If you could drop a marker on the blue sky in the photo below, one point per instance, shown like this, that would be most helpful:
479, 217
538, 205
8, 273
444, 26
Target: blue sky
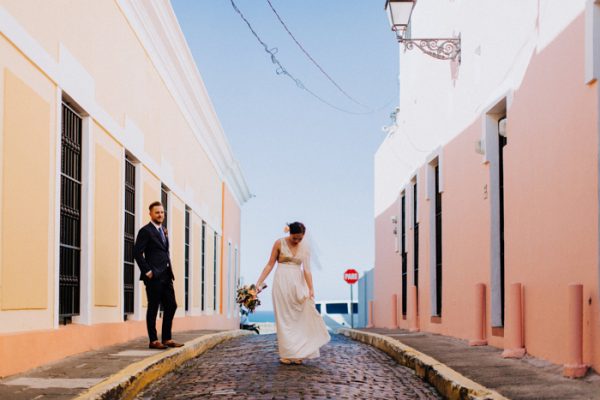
302, 159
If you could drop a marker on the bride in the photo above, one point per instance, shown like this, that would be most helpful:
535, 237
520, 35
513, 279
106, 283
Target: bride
300, 329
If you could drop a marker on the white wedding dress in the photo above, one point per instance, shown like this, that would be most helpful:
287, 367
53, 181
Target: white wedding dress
300, 329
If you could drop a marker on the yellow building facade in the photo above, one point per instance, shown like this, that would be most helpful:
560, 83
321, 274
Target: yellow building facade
103, 111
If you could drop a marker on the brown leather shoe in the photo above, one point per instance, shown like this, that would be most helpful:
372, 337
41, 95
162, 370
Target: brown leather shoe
172, 343
157, 345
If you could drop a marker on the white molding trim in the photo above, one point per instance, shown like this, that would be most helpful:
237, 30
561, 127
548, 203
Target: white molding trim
592, 41
157, 28
14, 32
236, 283
87, 223
57, 187
409, 205
396, 224
433, 161
490, 134
415, 181
402, 222
138, 313
598, 193
122, 241
228, 294
493, 113
434, 158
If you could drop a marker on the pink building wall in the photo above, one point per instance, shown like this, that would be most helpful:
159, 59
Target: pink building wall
552, 196
388, 273
551, 213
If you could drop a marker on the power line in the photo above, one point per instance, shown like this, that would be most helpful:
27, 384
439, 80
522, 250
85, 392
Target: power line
281, 70
312, 59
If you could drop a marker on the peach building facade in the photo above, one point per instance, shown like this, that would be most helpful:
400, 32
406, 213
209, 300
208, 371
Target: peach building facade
103, 111
486, 187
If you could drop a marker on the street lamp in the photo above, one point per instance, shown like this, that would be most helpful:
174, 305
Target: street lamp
399, 14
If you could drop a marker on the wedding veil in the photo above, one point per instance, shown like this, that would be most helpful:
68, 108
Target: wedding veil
312, 248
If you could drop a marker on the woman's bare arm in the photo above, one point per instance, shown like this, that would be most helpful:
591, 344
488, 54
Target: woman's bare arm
269, 267
308, 274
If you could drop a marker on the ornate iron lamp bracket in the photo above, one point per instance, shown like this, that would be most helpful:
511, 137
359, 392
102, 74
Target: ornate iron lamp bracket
442, 49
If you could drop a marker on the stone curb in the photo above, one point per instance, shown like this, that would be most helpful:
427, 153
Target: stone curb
447, 381
131, 380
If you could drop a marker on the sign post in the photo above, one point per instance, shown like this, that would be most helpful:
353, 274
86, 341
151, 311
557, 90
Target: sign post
351, 277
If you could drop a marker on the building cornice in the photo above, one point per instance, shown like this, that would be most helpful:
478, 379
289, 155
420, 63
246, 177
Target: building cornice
158, 30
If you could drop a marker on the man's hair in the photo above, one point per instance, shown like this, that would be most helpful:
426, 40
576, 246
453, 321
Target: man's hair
154, 204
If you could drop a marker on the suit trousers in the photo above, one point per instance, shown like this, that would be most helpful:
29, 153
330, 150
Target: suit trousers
159, 290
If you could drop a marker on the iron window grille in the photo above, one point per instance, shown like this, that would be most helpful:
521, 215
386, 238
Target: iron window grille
502, 141
215, 273
187, 259
404, 257
415, 237
164, 199
70, 215
203, 267
129, 239
438, 242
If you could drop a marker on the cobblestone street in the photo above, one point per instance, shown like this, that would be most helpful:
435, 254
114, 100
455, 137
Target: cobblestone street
248, 368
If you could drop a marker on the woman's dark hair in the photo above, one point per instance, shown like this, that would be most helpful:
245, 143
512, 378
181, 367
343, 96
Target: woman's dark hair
297, 227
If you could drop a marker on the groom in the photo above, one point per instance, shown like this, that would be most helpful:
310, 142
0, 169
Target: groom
151, 251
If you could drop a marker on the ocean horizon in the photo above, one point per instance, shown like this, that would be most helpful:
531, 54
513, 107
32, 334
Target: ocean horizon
262, 316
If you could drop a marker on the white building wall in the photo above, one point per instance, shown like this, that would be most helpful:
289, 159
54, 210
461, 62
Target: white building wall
439, 99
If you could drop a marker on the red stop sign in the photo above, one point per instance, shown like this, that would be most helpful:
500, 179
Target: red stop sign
351, 276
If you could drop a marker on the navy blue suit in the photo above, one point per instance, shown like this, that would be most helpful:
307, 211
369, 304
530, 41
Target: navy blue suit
152, 254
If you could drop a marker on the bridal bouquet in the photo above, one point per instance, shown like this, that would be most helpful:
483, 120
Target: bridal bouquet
247, 297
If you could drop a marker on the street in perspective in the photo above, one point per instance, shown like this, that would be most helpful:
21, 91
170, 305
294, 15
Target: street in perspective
272, 199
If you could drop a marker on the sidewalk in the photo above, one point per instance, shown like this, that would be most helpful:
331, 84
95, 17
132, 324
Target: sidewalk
527, 378
73, 375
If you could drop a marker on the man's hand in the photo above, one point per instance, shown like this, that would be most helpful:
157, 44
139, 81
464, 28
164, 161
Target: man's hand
149, 274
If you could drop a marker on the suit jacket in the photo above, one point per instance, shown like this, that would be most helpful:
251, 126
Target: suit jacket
151, 253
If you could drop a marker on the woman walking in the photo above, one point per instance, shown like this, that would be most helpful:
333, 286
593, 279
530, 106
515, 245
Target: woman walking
300, 329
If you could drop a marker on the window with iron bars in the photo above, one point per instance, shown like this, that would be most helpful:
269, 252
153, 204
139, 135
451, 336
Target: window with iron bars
164, 199
215, 273
70, 214
415, 238
187, 259
502, 141
404, 255
438, 242
203, 268
129, 238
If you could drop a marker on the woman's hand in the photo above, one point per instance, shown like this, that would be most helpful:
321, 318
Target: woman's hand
311, 293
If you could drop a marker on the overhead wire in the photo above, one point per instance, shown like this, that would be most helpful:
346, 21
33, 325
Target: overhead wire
311, 58
281, 70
